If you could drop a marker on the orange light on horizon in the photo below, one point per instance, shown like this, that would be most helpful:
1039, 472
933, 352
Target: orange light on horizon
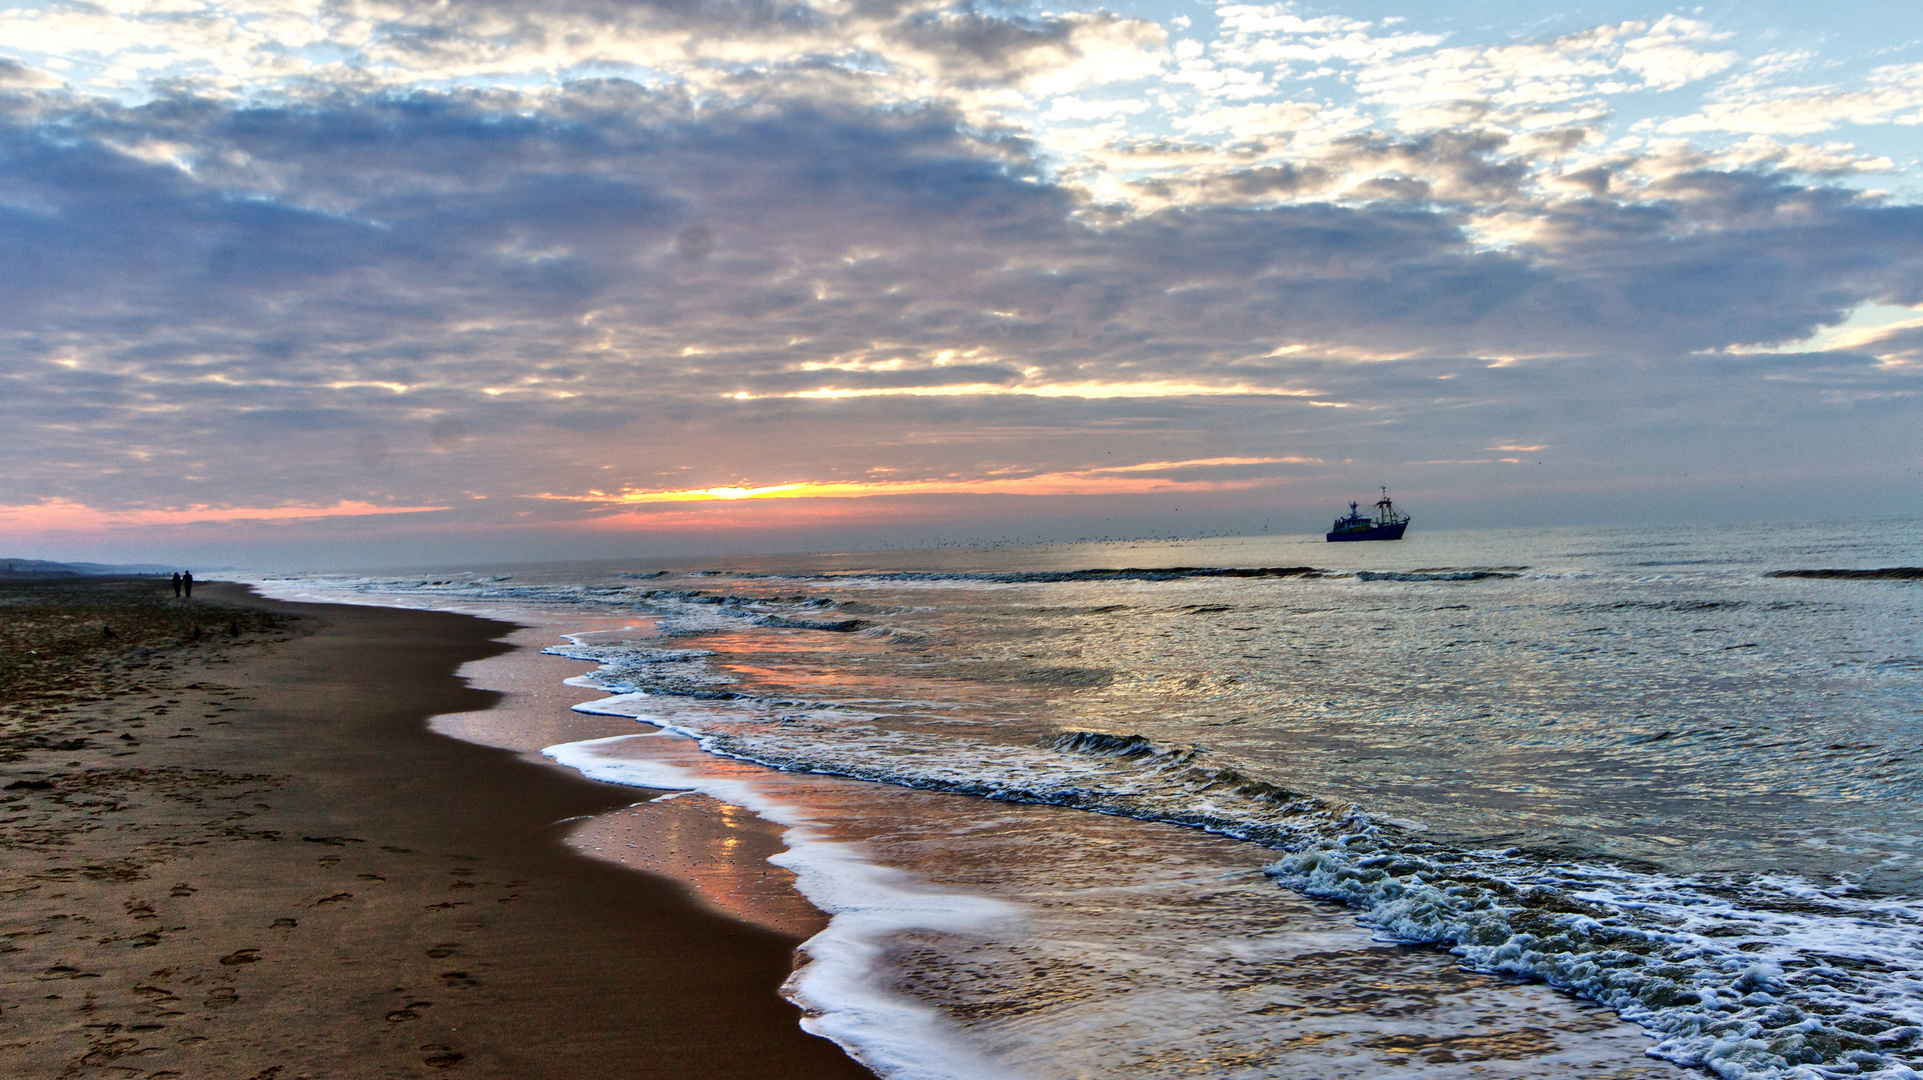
1102, 480
65, 515
1087, 390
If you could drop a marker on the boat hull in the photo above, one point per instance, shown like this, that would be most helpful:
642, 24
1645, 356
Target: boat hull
1377, 532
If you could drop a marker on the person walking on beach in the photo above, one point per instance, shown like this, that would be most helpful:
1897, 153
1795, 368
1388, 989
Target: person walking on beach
187, 584
176, 584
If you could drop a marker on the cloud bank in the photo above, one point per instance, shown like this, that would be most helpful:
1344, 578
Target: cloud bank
535, 269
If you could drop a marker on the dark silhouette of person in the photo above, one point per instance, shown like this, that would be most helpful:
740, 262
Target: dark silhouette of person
187, 584
176, 583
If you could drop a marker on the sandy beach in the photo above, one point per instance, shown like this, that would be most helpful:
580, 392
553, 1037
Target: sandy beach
233, 848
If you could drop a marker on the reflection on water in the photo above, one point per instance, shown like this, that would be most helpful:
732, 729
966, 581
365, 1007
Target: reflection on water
718, 850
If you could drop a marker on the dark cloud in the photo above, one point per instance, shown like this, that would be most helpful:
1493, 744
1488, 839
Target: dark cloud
988, 48
14, 74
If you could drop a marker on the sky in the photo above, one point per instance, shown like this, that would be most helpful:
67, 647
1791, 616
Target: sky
287, 283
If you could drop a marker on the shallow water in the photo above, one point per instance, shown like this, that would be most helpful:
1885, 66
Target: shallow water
1626, 762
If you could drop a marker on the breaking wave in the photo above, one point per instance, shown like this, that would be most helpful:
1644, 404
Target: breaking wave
1040, 577
1887, 573
1471, 574
1754, 979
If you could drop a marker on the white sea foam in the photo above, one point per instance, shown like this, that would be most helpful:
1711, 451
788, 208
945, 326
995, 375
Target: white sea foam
1769, 978
840, 986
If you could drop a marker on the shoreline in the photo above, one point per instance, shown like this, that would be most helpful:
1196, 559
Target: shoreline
718, 852
305, 880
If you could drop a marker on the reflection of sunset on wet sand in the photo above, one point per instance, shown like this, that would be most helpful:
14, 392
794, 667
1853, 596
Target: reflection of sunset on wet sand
719, 851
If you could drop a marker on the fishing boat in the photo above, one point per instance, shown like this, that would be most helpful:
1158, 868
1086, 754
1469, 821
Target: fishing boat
1385, 525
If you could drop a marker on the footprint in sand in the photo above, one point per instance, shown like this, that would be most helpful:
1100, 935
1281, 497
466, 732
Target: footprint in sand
182, 889
410, 1011
220, 997
337, 898
239, 957
443, 951
459, 978
441, 1057
284, 924
104, 1052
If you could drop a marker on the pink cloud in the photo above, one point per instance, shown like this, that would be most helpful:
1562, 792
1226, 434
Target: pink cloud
65, 515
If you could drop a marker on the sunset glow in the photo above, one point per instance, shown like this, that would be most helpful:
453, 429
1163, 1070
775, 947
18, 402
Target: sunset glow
1090, 391
61, 515
1113, 479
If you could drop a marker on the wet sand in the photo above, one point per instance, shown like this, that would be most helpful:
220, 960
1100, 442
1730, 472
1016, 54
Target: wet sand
719, 852
233, 848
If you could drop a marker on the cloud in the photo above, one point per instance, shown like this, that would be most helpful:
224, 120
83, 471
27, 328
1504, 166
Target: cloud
15, 75
1106, 480
64, 515
1891, 94
403, 256
1274, 33
1899, 345
901, 48
793, 243
1432, 86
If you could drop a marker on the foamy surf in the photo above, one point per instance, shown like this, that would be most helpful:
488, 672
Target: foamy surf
1759, 979
1752, 979
840, 986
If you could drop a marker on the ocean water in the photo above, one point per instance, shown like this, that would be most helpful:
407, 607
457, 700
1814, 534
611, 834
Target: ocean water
1277, 807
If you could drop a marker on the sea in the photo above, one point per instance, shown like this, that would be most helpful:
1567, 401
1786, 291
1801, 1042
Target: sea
1588, 802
